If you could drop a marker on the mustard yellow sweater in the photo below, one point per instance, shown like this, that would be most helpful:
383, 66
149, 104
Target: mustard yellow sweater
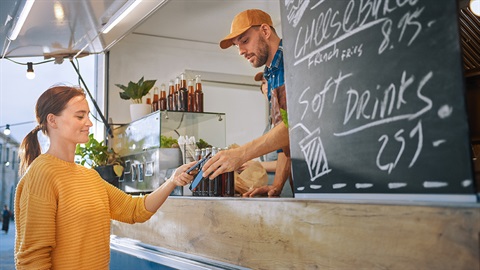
62, 216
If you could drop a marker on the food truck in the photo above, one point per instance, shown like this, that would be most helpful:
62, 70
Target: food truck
383, 116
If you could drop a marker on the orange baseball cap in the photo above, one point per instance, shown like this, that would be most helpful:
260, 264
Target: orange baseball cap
242, 22
259, 76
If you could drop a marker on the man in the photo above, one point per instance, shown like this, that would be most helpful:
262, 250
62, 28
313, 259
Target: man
253, 33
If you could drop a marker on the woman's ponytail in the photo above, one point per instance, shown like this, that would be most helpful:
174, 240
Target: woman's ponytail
29, 149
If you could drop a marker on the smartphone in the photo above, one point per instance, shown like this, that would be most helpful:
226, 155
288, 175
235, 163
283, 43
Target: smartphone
199, 163
197, 180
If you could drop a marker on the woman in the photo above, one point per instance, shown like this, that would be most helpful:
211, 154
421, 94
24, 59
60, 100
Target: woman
63, 210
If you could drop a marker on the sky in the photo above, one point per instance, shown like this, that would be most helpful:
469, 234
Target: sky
18, 95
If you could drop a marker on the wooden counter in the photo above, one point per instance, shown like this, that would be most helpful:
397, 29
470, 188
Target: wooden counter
312, 234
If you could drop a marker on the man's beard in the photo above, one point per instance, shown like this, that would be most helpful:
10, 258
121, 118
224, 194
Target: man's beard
262, 56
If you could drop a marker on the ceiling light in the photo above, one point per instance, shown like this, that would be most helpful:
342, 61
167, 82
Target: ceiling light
475, 7
120, 14
30, 72
21, 19
58, 11
6, 131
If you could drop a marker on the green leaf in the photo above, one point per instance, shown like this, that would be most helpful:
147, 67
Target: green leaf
96, 153
136, 91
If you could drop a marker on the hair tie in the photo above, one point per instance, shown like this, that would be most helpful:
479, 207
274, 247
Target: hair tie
37, 128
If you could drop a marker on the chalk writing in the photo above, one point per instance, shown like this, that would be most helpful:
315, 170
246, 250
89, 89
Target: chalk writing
332, 26
384, 109
296, 10
339, 185
445, 111
434, 184
396, 185
315, 156
437, 143
363, 185
318, 102
401, 147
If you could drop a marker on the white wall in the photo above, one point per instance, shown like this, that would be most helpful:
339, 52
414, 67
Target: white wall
163, 59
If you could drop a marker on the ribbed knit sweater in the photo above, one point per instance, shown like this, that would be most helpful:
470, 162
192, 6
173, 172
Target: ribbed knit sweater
62, 216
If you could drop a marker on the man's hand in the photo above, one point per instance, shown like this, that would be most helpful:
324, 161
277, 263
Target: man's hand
271, 191
223, 161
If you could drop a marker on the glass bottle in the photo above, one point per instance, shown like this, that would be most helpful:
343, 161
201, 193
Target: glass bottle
191, 96
198, 156
229, 183
182, 94
198, 94
210, 183
202, 186
170, 95
162, 102
149, 98
155, 99
175, 94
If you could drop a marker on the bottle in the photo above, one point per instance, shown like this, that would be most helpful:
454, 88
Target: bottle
183, 81
175, 94
211, 183
229, 183
170, 96
155, 99
202, 186
191, 96
162, 102
198, 156
182, 94
198, 94
149, 98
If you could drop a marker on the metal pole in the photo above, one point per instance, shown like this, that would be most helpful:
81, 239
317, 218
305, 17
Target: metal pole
105, 122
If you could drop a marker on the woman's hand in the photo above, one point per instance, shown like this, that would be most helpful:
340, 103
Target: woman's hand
180, 177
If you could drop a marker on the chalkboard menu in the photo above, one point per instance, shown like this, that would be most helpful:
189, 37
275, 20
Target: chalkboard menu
375, 95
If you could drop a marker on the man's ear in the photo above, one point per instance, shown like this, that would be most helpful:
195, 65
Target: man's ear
51, 120
266, 30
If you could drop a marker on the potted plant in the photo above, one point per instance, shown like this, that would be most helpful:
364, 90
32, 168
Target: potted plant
104, 160
136, 91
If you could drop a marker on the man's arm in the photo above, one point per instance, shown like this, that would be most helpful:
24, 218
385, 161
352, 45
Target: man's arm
230, 160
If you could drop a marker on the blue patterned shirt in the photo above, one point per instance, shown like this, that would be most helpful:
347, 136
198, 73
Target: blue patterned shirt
275, 74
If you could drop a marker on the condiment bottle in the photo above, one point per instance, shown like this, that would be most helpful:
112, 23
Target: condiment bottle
155, 99
149, 98
191, 96
198, 156
229, 183
182, 94
162, 102
210, 183
175, 94
171, 91
198, 94
202, 186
